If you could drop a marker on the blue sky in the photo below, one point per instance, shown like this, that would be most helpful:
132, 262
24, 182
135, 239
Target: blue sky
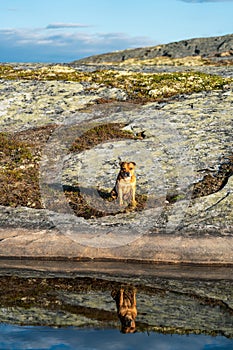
65, 30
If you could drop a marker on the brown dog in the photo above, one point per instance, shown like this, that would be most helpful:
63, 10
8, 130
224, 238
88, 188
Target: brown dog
126, 308
125, 186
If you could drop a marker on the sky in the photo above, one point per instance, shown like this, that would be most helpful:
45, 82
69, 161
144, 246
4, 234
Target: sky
66, 30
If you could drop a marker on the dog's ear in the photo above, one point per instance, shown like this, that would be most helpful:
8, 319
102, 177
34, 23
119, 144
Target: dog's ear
133, 163
121, 163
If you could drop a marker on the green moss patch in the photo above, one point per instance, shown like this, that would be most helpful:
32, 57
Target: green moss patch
143, 86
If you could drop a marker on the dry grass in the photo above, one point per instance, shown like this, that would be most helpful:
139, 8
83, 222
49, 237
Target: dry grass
99, 134
18, 173
19, 167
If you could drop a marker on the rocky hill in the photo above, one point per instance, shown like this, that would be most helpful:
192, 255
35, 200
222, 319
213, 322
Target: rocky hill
220, 46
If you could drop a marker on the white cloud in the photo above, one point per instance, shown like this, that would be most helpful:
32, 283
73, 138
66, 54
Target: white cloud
66, 25
61, 46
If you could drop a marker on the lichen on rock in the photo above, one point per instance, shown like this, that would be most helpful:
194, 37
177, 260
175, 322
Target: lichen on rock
177, 129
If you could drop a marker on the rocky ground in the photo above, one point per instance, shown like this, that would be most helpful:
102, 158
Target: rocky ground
64, 129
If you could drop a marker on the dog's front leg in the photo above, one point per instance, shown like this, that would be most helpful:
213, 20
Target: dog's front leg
120, 195
134, 298
121, 297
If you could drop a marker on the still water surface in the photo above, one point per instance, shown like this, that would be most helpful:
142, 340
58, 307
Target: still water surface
47, 338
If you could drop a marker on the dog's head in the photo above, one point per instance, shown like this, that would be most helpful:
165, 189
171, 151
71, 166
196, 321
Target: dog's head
127, 169
128, 324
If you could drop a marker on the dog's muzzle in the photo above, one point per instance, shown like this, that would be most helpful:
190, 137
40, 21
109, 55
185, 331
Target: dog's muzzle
128, 322
126, 174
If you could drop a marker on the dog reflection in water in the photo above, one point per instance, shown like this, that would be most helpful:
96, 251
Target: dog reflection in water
125, 299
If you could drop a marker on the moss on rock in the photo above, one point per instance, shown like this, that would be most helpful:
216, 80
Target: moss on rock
138, 85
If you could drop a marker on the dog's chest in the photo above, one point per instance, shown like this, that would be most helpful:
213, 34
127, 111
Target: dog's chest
125, 187
127, 303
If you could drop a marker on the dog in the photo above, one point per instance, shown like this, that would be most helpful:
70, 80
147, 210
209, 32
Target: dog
125, 186
126, 308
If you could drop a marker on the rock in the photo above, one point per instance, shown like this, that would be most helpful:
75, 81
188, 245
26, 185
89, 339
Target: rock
168, 159
177, 137
177, 143
23, 217
112, 93
211, 214
32, 104
204, 47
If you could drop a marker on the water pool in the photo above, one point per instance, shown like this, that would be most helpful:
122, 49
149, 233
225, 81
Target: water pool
46, 338
177, 307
